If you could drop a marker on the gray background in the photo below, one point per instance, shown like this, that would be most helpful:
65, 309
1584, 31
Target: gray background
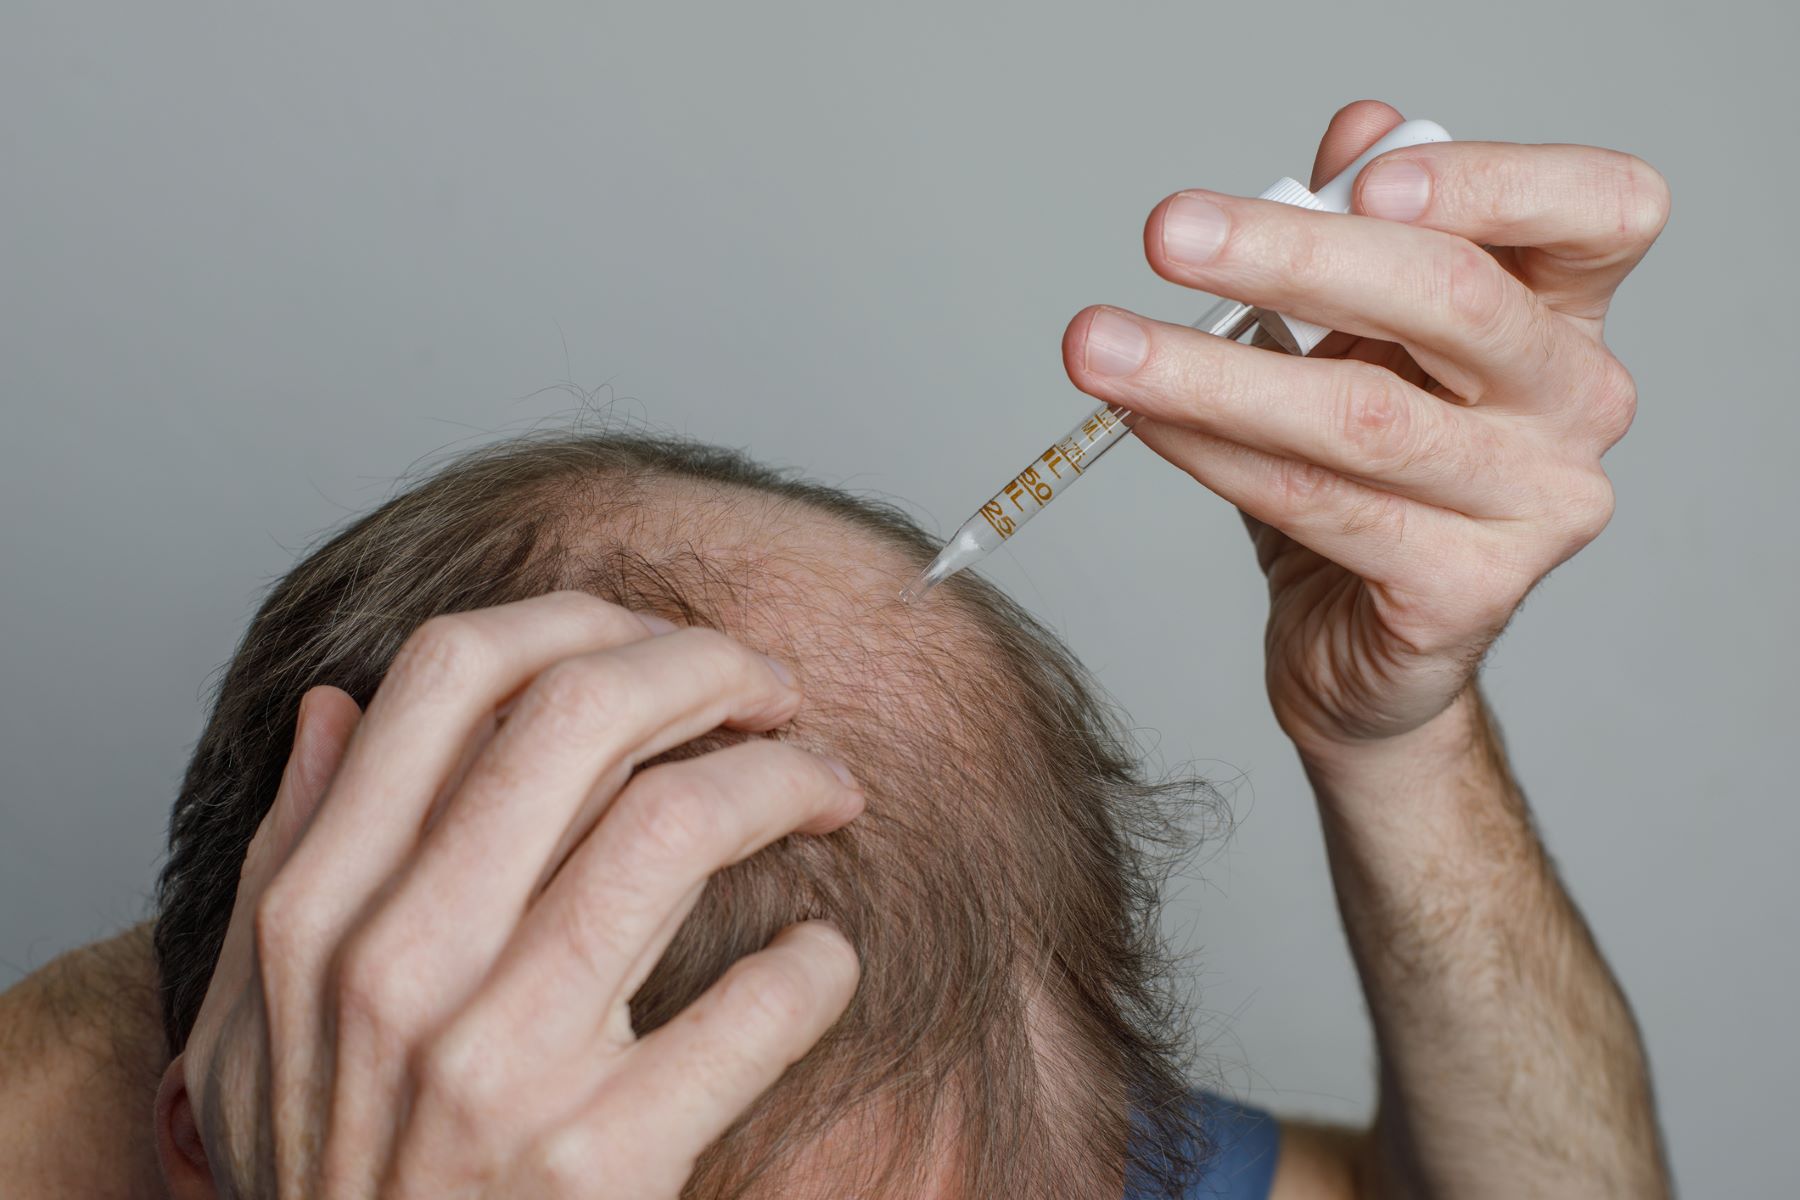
255, 261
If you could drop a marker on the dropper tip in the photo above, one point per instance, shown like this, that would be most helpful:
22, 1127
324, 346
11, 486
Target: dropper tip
930, 577
915, 591
963, 550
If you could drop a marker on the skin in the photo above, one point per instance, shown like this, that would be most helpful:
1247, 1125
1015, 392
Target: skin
81, 1050
390, 985
1404, 491
1404, 487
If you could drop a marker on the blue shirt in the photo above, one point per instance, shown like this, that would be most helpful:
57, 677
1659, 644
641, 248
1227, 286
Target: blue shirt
1244, 1146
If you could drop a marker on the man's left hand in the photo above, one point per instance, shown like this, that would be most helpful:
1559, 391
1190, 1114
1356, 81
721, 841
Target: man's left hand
1411, 482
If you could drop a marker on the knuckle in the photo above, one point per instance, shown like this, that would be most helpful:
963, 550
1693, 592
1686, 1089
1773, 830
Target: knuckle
1590, 507
709, 640
446, 651
279, 924
459, 1078
563, 1163
1614, 401
715, 651
674, 813
371, 987
781, 769
792, 771
725, 664
461, 1087
1375, 420
1301, 487
577, 695
593, 614
593, 930
1473, 289
579, 601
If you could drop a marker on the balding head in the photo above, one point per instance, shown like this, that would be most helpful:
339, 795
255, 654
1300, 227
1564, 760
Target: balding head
1011, 1019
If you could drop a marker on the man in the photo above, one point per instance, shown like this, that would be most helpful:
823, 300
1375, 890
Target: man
444, 972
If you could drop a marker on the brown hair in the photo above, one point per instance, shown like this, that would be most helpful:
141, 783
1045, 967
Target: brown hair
1014, 1026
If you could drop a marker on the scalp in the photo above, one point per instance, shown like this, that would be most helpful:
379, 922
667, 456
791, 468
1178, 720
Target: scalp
972, 887
1013, 1013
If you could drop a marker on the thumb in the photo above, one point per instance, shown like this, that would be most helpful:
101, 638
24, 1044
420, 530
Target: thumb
1353, 129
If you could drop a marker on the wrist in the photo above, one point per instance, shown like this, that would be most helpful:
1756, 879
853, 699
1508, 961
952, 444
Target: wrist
1447, 743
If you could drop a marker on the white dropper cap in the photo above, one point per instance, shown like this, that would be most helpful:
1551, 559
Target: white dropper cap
1297, 336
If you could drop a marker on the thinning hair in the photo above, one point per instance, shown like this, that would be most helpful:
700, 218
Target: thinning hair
1015, 1028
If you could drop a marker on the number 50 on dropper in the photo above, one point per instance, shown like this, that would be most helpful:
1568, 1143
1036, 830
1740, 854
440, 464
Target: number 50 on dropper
1071, 456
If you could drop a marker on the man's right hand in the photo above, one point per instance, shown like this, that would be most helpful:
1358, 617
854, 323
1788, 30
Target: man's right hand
423, 990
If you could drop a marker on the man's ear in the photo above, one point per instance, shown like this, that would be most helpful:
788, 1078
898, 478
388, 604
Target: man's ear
178, 1149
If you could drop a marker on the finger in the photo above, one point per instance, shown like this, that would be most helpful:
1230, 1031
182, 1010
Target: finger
569, 740
327, 718
447, 679
440, 691
1581, 217
322, 729
1355, 418
606, 919
1376, 535
568, 745
1471, 324
684, 1085
1352, 129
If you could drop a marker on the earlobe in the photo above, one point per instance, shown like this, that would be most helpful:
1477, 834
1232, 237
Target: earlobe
179, 1151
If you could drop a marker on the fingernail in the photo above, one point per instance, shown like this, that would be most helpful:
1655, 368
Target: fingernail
1193, 230
657, 625
1116, 344
781, 671
1396, 191
841, 771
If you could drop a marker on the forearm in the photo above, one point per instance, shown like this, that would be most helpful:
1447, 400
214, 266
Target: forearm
1510, 1061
